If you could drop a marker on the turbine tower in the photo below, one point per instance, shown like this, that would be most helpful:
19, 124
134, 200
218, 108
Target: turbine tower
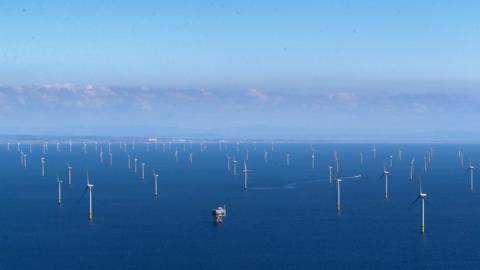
235, 167
338, 180
422, 196
42, 161
385, 175
313, 160
330, 167
471, 169
89, 187
245, 172
59, 181
69, 174
155, 175
412, 163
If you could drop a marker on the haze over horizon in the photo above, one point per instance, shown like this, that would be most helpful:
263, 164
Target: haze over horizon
280, 69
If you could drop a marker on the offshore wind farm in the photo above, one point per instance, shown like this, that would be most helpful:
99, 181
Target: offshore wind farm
109, 215
211, 134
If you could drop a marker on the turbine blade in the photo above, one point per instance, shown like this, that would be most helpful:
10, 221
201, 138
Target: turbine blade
412, 203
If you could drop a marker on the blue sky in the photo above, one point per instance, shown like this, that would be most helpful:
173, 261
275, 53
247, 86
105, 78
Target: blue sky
327, 67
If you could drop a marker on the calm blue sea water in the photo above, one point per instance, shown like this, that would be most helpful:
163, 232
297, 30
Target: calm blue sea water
286, 220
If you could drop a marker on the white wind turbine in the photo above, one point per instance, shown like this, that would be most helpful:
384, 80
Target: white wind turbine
412, 163
471, 169
135, 165
143, 170
25, 160
69, 173
330, 167
422, 196
385, 175
245, 173
89, 188
42, 161
155, 185
59, 181
228, 163
287, 157
235, 167
313, 159
338, 181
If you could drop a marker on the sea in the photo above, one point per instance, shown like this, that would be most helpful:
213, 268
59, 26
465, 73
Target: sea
286, 219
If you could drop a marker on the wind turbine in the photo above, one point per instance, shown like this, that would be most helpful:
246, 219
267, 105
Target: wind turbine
89, 187
143, 170
129, 158
425, 162
330, 167
245, 172
59, 181
460, 157
412, 163
111, 158
374, 152
228, 163
70, 144
25, 160
385, 175
265, 156
135, 165
391, 161
313, 160
422, 196
42, 161
338, 181
235, 167
361, 158
471, 168
69, 174
155, 175
287, 156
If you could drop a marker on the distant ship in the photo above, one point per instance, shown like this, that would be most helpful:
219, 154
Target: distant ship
219, 213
